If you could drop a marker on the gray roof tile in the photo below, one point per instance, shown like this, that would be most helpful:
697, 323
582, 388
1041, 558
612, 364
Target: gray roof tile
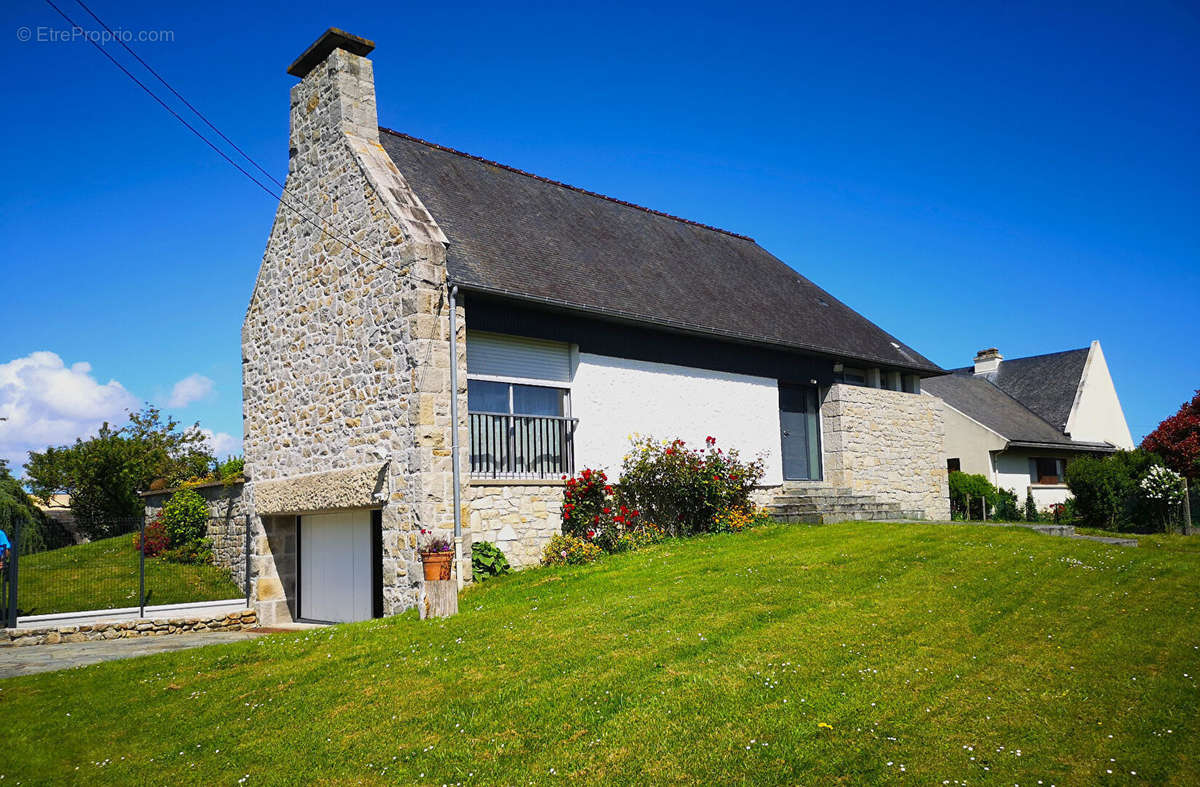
520, 235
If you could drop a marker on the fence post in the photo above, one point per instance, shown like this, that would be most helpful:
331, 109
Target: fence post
14, 551
142, 570
1187, 509
246, 571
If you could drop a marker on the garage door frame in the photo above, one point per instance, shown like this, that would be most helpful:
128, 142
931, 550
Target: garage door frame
376, 562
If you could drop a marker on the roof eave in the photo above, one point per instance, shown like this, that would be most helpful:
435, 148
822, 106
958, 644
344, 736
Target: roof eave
690, 329
1095, 448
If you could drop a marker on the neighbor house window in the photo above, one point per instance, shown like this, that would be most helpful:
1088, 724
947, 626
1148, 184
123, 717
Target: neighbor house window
1046, 470
912, 384
954, 465
519, 406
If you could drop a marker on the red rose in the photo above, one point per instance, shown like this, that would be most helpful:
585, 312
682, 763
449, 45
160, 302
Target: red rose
608, 510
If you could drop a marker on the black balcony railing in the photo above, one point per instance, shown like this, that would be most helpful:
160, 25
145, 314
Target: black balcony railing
522, 446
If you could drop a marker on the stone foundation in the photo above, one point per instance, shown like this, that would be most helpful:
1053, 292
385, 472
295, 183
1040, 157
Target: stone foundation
519, 517
888, 444
127, 629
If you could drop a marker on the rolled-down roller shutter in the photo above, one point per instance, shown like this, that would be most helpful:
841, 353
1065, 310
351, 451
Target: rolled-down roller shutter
500, 355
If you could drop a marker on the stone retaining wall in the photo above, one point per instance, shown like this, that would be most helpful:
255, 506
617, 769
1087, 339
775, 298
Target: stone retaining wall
126, 629
227, 509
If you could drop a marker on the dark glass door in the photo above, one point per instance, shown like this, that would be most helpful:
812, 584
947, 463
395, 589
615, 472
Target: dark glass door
800, 433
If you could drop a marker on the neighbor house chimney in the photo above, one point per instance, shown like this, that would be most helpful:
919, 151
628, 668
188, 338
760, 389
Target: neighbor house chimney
988, 361
336, 92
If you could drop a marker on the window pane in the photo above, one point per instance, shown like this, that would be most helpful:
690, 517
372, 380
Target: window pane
535, 400
487, 397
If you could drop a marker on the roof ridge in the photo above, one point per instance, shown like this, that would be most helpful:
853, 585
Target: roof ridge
551, 181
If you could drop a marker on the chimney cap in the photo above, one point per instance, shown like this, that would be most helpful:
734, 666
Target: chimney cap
331, 39
988, 354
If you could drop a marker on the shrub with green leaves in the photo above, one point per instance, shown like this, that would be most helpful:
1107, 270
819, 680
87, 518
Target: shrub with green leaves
487, 560
1107, 491
1006, 506
196, 552
1031, 512
970, 488
185, 516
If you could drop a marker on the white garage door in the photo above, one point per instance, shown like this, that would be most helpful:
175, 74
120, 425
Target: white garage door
335, 566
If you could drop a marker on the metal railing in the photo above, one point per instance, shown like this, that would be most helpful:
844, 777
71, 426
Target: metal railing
521, 446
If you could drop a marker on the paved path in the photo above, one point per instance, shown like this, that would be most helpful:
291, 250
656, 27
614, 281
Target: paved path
44, 658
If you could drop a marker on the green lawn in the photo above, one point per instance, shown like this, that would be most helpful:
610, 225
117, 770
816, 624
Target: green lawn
934, 653
103, 574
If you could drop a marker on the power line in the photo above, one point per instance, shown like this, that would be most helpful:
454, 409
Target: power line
204, 139
179, 96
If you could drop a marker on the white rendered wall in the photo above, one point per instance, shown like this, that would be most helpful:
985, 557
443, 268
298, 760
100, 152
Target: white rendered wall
1097, 415
1012, 473
614, 397
970, 442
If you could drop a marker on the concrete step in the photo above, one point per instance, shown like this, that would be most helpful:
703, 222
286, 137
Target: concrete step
822, 500
829, 519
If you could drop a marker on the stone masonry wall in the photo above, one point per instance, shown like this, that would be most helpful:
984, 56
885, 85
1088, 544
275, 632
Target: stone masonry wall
226, 525
126, 629
346, 341
886, 443
518, 518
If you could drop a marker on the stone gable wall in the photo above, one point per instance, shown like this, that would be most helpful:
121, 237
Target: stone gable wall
888, 444
345, 343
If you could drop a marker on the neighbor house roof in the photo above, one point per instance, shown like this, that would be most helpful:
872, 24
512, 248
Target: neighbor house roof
519, 235
1046, 384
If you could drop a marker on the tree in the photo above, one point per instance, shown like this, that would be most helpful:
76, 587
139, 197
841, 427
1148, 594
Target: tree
103, 474
1031, 512
1177, 440
17, 509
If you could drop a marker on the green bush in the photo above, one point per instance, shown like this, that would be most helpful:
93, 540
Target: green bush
569, 550
683, 490
487, 560
1006, 506
1108, 494
185, 516
972, 488
231, 469
197, 552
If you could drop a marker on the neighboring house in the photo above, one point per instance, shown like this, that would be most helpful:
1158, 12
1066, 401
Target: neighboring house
577, 320
1018, 422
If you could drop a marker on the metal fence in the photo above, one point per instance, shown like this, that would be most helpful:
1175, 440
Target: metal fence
112, 571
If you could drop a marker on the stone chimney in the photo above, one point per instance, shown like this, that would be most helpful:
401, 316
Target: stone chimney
336, 92
988, 361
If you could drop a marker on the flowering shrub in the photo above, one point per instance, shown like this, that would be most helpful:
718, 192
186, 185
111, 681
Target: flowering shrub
684, 489
591, 511
643, 535
735, 520
569, 550
156, 540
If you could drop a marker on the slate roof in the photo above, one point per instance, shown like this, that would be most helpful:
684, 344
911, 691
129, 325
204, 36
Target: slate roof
523, 236
1010, 400
993, 408
1046, 384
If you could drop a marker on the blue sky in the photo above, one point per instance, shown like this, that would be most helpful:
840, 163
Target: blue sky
1019, 175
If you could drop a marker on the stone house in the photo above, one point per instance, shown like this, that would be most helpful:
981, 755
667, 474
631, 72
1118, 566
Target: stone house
414, 299
1018, 422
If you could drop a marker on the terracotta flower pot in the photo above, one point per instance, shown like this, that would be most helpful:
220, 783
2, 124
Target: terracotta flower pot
436, 565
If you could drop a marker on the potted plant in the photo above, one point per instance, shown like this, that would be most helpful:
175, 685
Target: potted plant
436, 556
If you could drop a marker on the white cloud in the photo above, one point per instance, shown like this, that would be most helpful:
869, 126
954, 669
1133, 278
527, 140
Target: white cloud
47, 402
222, 444
190, 389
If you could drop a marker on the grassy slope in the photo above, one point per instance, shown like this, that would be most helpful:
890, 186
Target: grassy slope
103, 574
709, 660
